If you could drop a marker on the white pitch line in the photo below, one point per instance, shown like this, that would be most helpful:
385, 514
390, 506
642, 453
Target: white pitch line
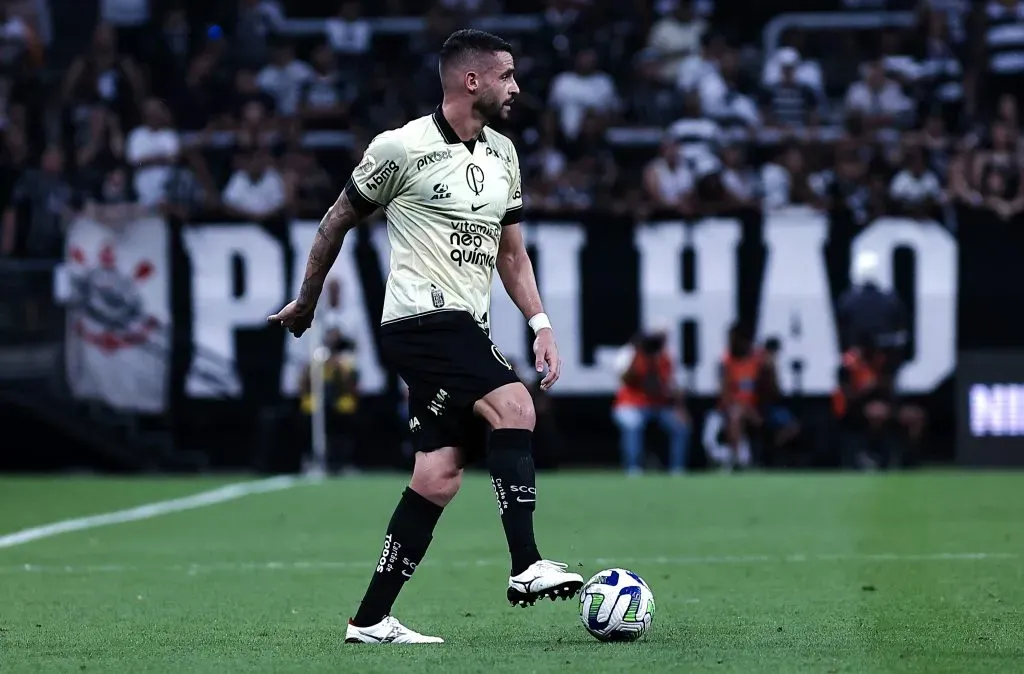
147, 511
712, 560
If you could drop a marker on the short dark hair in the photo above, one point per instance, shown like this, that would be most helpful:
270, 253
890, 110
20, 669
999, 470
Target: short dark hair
469, 41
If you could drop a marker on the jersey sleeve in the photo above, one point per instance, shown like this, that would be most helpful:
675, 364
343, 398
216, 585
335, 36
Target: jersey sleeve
380, 175
514, 206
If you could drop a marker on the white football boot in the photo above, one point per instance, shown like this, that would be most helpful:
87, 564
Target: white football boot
387, 631
543, 579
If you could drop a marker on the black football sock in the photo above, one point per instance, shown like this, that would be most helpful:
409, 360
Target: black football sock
510, 460
409, 533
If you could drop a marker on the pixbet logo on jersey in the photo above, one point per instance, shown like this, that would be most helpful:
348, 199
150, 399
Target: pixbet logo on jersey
433, 158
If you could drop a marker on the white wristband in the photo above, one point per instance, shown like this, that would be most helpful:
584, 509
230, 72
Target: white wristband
539, 322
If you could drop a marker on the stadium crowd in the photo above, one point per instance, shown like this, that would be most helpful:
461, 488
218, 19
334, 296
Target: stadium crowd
259, 108
169, 108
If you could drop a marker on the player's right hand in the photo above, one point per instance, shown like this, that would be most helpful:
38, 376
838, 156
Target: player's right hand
294, 317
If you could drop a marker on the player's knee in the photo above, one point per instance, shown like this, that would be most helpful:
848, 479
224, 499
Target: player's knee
510, 406
437, 476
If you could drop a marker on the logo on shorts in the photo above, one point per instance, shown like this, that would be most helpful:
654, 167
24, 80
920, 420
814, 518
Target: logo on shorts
414, 425
500, 357
436, 296
439, 402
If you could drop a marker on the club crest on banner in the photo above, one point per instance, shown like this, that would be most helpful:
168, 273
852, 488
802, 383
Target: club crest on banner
109, 310
118, 312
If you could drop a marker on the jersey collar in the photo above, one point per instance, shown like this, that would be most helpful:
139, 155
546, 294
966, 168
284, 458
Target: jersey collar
448, 133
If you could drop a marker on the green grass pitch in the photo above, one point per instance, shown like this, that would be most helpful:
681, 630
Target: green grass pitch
751, 573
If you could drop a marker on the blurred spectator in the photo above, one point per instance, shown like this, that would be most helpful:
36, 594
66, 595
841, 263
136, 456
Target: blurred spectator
737, 402
866, 308
152, 150
781, 427
785, 181
702, 63
739, 178
789, 103
996, 171
648, 392
14, 160
255, 24
877, 99
256, 191
190, 189
861, 404
583, 90
698, 136
350, 36
39, 207
19, 45
100, 146
169, 56
674, 37
915, 190
340, 375
668, 181
721, 452
284, 77
209, 82
721, 98
940, 75
348, 33
130, 18
114, 201
806, 71
844, 188
307, 184
325, 97
103, 76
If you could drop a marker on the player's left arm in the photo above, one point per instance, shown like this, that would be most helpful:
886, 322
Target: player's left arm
516, 272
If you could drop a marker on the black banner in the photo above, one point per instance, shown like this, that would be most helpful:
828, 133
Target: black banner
990, 405
602, 280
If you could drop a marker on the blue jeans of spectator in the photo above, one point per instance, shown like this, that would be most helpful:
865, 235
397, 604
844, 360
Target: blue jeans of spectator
632, 420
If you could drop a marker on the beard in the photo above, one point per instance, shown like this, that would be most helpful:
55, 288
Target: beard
491, 106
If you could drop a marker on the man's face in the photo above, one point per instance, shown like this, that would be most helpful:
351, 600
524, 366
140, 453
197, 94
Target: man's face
497, 87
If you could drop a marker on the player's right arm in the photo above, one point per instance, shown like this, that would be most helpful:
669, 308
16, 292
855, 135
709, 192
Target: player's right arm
373, 184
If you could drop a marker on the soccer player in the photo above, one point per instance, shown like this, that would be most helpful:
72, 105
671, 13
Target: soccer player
452, 194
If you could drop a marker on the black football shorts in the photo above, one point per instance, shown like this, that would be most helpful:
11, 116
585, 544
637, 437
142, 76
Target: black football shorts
449, 363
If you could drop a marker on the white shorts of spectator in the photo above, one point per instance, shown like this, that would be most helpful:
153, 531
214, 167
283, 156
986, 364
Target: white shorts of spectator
719, 453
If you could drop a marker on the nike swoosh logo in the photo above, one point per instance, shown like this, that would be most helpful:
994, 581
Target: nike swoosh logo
525, 500
477, 208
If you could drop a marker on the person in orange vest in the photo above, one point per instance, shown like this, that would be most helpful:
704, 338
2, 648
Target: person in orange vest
739, 373
648, 392
863, 404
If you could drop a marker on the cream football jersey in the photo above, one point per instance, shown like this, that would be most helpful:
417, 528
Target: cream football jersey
445, 202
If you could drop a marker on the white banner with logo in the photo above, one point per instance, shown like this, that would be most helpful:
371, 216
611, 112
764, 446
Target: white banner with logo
119, 313
794, 302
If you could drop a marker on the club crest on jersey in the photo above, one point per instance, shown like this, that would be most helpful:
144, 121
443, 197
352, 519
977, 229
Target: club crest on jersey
437, 297
475, 178
366, 166
433, 158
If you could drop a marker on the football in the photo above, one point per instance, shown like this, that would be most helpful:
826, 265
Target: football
617, 605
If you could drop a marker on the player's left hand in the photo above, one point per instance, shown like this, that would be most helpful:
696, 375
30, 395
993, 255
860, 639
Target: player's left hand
546, 353
294, 317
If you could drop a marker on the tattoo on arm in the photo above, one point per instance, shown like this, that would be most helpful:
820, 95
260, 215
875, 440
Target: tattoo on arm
340, 218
